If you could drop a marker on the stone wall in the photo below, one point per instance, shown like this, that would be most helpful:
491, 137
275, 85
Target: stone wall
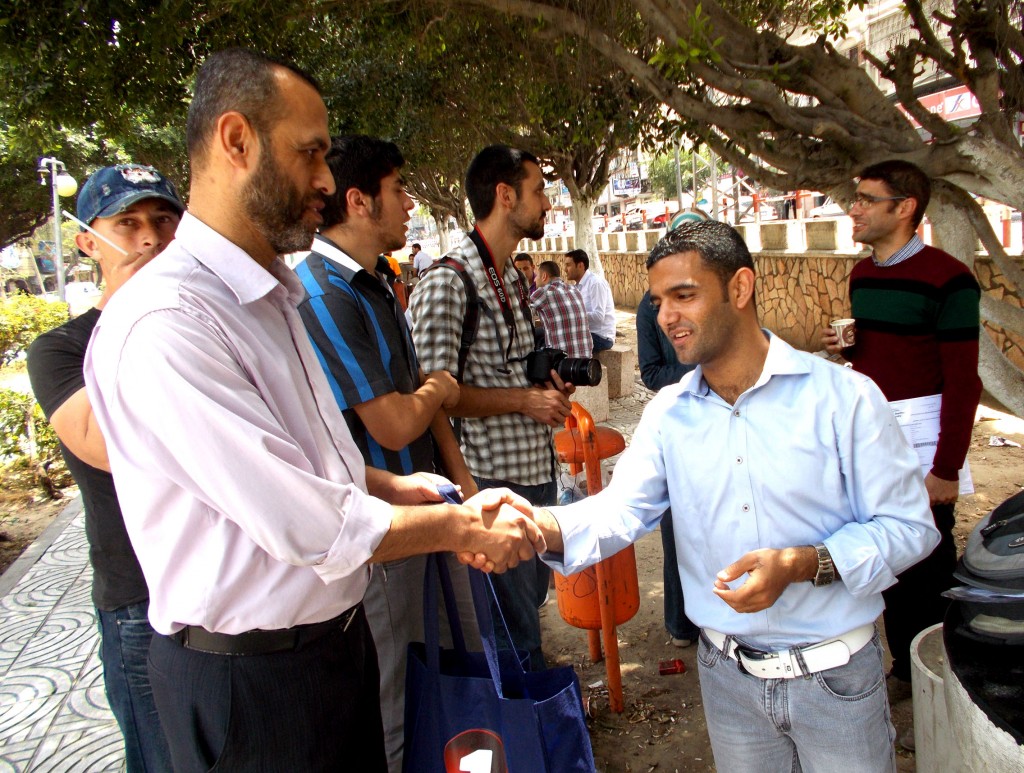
797, 293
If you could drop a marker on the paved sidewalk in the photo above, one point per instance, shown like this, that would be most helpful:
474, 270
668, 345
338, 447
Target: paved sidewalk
53, 710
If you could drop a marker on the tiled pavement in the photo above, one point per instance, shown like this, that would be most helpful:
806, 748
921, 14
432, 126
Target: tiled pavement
53, 711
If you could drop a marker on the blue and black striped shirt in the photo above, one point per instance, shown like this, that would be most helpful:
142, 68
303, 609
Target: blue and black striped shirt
361, 338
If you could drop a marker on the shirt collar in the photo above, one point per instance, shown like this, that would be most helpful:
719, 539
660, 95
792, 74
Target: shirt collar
908, 250
782, 360
328, 249
236, 268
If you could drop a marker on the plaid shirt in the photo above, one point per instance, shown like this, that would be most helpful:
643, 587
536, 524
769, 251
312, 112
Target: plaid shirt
510, 447
561, 309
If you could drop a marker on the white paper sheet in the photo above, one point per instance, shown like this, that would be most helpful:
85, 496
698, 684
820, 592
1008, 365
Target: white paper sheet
918, 417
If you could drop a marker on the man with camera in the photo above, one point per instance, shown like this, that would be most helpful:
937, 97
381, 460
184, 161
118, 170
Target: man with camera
507, 421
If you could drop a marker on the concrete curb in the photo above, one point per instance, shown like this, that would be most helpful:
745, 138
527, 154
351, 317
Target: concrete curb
27, 560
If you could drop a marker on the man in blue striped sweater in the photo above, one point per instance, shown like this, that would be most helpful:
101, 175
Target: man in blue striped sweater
395, 412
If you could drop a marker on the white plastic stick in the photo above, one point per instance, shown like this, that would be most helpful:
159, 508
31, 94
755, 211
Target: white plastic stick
93, 231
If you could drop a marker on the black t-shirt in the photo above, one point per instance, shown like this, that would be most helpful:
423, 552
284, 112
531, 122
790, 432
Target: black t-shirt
55, 362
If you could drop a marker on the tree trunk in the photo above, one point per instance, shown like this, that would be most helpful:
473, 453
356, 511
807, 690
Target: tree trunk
583, 220
954, 233
443, 244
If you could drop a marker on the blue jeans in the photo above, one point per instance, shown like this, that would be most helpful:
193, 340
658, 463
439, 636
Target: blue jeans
521, 590
676, 621
834, 720
601, 343
125, 635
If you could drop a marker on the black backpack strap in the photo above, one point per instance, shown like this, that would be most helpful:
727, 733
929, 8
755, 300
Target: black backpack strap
471, 322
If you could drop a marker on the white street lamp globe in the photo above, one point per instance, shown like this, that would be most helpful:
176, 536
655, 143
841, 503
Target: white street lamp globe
66, 185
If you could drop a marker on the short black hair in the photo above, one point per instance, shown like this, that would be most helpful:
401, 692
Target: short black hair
523, 256
235, 79
550, 268
416, 246
492, 165
720, 246
903, 179
360, 162
579, 256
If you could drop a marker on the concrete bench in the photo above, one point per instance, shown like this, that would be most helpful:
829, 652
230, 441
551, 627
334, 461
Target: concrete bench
619, 370
594, 398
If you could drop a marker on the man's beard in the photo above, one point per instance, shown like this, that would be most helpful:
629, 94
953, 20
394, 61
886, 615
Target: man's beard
527, 230
276, 208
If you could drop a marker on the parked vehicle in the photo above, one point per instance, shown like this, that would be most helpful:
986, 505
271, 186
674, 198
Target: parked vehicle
81, 296
828, 209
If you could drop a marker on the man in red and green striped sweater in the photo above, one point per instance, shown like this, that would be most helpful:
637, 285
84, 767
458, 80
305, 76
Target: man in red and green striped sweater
917, 325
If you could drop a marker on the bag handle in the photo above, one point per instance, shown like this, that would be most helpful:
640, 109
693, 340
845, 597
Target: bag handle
483, 591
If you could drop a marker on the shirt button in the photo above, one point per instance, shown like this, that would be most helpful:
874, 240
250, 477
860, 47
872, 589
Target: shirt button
739, 460
746, 508
736, 413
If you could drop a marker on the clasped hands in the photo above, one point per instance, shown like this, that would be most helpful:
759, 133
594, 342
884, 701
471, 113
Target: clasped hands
499, 531
494, 530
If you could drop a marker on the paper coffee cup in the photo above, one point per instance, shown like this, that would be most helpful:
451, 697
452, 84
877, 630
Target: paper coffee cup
845, 331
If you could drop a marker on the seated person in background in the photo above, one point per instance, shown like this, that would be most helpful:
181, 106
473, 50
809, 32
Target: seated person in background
597, 297
562, 312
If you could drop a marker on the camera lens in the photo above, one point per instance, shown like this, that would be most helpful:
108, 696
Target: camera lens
580, 371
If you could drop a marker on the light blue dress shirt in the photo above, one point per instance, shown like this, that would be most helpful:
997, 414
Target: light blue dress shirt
811, 453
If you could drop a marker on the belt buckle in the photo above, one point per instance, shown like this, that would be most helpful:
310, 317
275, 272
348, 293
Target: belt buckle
758, 655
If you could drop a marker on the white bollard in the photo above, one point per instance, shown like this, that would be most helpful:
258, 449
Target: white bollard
935, 746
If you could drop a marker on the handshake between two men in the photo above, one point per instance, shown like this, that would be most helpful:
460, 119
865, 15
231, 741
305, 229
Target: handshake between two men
492, 531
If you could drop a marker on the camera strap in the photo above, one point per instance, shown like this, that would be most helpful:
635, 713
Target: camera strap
498, 286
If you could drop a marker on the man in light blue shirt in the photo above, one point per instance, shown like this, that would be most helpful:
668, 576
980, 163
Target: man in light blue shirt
795, 501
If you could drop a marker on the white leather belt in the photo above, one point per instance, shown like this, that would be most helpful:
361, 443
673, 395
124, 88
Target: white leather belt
796, 661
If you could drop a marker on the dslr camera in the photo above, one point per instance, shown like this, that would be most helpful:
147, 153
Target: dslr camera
578, 371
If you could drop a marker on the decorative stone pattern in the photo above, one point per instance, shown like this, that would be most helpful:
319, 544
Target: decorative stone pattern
799, 293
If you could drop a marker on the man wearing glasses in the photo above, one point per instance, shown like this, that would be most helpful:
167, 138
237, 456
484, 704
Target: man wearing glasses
917, 320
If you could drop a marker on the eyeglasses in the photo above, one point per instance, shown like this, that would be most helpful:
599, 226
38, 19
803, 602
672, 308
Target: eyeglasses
866, 199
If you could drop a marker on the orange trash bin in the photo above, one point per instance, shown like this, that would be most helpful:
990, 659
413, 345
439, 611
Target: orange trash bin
607, 594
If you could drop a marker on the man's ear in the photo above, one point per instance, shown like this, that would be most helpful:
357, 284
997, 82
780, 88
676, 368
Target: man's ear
357, 202
505, 195
236, 140
741, 288
908, 208
86, 242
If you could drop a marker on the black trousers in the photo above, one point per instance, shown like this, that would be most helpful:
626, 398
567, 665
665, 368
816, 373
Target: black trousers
316, 708
915, 601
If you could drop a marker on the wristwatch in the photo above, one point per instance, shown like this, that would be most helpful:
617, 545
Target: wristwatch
826, 569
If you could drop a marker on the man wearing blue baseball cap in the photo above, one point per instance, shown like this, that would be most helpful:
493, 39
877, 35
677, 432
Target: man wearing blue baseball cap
133, 212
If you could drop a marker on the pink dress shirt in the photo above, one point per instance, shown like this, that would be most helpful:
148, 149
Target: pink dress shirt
242, 490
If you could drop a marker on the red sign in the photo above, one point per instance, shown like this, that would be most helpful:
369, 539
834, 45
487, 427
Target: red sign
950, 105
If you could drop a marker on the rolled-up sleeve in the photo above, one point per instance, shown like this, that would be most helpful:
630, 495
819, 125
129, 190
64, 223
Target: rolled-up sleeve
893, 527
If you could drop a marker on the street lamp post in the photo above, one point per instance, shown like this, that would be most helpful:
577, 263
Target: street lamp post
65, 185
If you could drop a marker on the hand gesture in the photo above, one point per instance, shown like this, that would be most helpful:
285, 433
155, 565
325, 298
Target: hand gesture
769, 573
940, 491
417, 489
564, 387
501, 532
119, 268
448, 386
830, 341
548, 406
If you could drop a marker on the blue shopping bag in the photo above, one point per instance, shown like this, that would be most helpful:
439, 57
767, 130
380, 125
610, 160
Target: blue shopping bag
482, 712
